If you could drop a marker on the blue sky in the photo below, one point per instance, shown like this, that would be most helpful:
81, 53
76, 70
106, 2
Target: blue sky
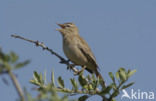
121, 33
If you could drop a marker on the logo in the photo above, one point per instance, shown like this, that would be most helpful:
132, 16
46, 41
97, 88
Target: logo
137, 95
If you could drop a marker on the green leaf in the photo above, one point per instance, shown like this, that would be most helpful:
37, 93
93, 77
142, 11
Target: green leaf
122, 74
35, 82
74, 84
122, 69
117, 75
41, 80
52, 79
7, 66
36, 76
106, 90
61, 82
6, 58
83, 98
131, 73
45, 76
90, 87
21, 64
128, 71
112, 76
14, 57
82, 80
114, 86
93, 78
89, 78
116, 93
128, 85
96, 83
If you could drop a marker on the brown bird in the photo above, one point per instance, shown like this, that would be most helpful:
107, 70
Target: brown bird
77, 50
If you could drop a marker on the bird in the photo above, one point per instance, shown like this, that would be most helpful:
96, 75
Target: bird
77, 50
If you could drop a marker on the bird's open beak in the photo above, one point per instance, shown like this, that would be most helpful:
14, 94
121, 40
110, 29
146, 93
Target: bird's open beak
61, 25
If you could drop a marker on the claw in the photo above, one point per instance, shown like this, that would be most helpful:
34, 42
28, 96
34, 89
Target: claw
81, 71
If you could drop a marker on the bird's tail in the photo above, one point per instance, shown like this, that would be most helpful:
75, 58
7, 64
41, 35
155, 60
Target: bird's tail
100, 78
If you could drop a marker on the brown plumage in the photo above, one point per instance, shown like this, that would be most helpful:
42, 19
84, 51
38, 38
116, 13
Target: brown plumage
76, 48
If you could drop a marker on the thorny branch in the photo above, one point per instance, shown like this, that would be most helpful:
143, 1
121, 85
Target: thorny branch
44, 47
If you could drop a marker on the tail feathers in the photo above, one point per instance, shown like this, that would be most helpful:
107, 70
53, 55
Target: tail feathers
98, 75
89, 70
101, 78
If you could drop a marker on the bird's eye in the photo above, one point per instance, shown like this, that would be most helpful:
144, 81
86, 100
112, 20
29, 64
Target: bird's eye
68, 25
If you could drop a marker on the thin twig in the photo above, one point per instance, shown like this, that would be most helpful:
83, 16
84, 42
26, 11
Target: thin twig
44, 47
17, 85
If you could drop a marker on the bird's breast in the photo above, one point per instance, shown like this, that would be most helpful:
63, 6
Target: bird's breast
72, 52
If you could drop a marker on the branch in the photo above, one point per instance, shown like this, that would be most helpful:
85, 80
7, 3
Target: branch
14, 80
17, 85
6, 67
44, 47
116, 90
81, 92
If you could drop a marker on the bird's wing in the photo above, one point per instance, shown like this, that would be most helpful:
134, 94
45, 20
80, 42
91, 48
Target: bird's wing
86, 51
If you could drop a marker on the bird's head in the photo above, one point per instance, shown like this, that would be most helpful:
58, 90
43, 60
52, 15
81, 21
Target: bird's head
67, 28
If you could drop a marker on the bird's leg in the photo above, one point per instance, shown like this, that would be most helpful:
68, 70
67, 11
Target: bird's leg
64, 61
68, 60
70, 66
79, 72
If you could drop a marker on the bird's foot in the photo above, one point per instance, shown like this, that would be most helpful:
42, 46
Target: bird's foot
81, 71
64, 61
70, 66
